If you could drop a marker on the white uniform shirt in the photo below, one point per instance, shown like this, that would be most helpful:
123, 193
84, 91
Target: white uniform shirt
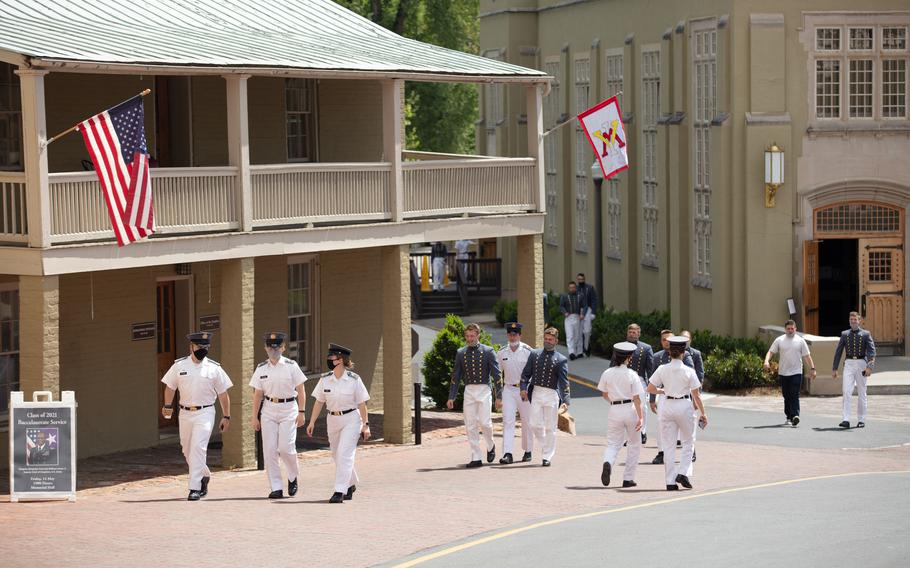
621, 383
676, 379
341, 394
791, 351
461, 248
279, 380
513, 363
199, 383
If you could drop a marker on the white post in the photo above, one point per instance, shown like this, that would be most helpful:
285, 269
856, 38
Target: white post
535, 143
239, 146
393, 142
34, 133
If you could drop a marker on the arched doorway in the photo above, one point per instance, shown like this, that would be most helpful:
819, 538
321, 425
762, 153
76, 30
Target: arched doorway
856, 262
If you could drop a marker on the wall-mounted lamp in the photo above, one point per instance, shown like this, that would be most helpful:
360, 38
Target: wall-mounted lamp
774, 172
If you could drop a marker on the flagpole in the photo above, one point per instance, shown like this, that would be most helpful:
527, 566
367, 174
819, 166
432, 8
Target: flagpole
76, 126
569, 121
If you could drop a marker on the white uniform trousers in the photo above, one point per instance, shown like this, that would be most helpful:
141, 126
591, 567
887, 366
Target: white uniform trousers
279, 440
477, 418
439, 268
645, 409
544, 415
344, 432
195, 432
586, 325
573, 334
621, 424
676, 424
695, 415
853, 377
511, 402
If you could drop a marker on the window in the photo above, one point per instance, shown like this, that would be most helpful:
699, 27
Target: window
704, 54
583, 154
894, 39
860, 82
301, 304
894, 88
650, 87
614, 74
552, 153
299, 119
10, 119
9, 346
827, 89
493, 107
614, 216
857, 218
827, 39
861, 39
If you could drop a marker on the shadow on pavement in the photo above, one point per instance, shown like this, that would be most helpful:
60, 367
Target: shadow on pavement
767, 426
589, 487
832, 429
169, 499
449, 468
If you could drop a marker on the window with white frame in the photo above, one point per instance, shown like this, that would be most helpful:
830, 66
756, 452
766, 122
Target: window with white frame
9, 346
859, 67
613, 63
583, 155
493, 107
301, 342
552, 154
10, 119
300, 119
650, 105
704, 60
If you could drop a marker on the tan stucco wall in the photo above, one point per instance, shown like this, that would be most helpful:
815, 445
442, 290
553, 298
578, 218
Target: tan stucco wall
350, 121
268, 130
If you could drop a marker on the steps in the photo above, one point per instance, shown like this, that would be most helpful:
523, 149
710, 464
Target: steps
438, 304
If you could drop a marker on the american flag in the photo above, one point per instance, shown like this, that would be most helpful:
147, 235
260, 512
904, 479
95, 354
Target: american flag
115, 140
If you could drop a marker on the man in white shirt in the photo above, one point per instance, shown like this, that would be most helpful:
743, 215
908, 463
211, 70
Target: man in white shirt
512, 360
792, 350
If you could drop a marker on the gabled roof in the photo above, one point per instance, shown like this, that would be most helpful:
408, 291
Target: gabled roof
258, 35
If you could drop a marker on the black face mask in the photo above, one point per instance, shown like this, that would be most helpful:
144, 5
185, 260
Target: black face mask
330, 363
200, 354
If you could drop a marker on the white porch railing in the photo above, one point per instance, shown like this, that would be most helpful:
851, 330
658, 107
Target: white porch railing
13, 213
293, 194
187, 200
488, 185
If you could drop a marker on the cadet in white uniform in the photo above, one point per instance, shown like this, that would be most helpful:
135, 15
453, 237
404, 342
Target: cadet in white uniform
345, 398
278, 383
679, 384
512, 360
621, 386
200, 381
860, 351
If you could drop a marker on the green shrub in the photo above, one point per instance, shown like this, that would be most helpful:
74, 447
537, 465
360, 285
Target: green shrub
505, 311
735, 370
708, 343
610, 327
439, 361
554, 317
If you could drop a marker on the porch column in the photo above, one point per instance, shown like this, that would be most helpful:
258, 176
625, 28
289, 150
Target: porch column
393, 142
530, 289
39, 334
238, 350
534, 105
34, 132
239, 147
396, 344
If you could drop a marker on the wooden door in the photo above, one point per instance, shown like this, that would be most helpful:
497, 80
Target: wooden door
881, 288
810, 287
167, 349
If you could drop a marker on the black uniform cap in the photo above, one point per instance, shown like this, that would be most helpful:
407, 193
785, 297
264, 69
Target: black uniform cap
200, 338
513, 327
274, 338
335, 349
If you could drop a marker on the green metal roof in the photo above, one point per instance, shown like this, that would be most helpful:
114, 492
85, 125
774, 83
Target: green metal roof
316, 35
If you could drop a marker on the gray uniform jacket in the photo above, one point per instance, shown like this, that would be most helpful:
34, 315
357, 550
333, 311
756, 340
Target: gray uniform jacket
697, 363
476, 366
858, 345
588, 296
547, 369
571, 304
642, 360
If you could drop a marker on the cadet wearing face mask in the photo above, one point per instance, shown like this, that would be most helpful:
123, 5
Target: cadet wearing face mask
278, 383
200, 381
512, 359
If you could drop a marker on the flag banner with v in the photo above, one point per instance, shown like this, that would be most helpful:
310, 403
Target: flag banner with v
116, 143
603, 126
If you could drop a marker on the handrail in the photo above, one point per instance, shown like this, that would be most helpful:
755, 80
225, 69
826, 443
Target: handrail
420, 155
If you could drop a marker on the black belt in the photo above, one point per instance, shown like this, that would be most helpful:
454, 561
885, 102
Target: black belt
341, 412
196, 407
620, 401
848, 357
277, 400
679, 397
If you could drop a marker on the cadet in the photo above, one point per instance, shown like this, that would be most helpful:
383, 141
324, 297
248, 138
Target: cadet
438, 253
621, 387
278, 383
662, 357
679, 384
641, 361
545, 383
590, 303
345, 398
477, 365
512, 360
857, 367
570, 304
200, 381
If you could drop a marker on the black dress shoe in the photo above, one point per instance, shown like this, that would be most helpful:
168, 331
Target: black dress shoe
678, 444
644, 438
580, 355
572, 356
337, 497
292, 488
795, 421
684, 481
276, 494
194, 495
672, 488
605, 474
860, 424
587, 352
205, 486
475, 463
629, 483
491, 454
526, 457
546, 463
505, 459
350, 494
658, 459
844, 424
693, 455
